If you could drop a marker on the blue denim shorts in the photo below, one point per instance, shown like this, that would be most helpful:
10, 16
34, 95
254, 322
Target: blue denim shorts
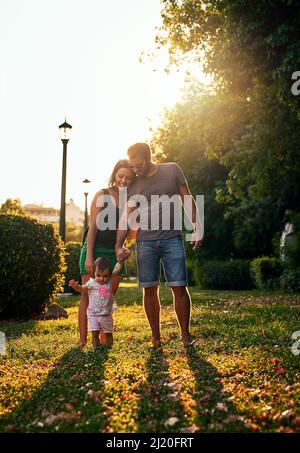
168, 251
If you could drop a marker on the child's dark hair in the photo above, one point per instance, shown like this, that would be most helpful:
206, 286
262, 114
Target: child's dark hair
102, 264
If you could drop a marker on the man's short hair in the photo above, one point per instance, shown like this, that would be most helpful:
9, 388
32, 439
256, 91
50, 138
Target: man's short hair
140, 150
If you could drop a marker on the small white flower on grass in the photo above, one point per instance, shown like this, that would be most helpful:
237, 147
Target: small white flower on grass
267, 408
171, 421
221, 407
189, 429
287, 413
173, 396
50, 419
296, 346
233, 418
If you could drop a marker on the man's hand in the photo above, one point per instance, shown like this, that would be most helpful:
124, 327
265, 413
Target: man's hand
196, 240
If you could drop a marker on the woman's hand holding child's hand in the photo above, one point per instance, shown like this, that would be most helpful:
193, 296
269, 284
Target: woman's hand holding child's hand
124, 255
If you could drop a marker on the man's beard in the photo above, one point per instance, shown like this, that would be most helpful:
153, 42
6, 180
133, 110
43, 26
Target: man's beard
145, 170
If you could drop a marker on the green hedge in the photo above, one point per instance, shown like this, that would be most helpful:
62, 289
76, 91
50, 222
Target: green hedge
190, 267
32, 266
224, 275
266, 272
72, 263
290, 279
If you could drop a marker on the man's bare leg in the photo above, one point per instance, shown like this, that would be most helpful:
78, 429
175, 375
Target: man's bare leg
182, 304
152, 309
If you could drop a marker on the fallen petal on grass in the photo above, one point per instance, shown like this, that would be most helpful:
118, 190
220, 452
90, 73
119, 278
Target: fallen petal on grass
171, 421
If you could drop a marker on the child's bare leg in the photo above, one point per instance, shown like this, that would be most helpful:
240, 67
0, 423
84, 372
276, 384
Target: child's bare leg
102, 337
108, 339
95, 338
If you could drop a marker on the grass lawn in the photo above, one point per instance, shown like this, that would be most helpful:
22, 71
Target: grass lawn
240, 376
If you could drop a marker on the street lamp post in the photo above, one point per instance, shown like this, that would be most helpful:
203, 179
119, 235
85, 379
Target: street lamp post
65, 130
86, 218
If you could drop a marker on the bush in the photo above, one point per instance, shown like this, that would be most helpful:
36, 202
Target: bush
72, 263
233, 274
190, 267
290, 280
266, 272
32, 266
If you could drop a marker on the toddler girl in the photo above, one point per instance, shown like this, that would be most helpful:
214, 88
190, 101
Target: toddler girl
101, 301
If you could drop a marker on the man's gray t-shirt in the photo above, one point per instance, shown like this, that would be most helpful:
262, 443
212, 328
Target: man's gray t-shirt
157, 198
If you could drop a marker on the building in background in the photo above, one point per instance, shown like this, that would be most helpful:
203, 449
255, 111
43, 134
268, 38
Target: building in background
39, 212
47, 214
74, 214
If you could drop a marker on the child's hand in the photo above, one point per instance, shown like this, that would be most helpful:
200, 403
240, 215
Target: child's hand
73, 284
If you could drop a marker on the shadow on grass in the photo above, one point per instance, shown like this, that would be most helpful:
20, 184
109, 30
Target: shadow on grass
70, 400
215, 412
156, 404
160, 402
15, 329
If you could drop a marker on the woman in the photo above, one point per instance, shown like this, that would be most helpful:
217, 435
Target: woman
100, 242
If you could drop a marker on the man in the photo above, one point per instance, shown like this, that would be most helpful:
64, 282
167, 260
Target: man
157, 242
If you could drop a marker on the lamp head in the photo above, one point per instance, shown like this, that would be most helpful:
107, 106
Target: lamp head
65, 130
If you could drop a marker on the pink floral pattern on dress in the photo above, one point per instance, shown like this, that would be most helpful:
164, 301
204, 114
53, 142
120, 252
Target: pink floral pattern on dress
105, 292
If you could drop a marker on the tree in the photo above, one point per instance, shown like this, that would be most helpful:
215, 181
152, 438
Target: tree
74, 232
12, 206
243, 41
181, 138
251, 125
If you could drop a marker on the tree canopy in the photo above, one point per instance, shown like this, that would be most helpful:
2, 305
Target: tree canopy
239, 144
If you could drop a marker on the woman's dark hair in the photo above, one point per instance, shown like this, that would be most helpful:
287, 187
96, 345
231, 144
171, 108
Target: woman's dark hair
123, 163
102, 264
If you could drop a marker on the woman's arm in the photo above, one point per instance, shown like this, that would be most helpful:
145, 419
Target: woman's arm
91, 237
119, 264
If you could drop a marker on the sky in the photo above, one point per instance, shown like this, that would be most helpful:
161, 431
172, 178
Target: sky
78, 59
